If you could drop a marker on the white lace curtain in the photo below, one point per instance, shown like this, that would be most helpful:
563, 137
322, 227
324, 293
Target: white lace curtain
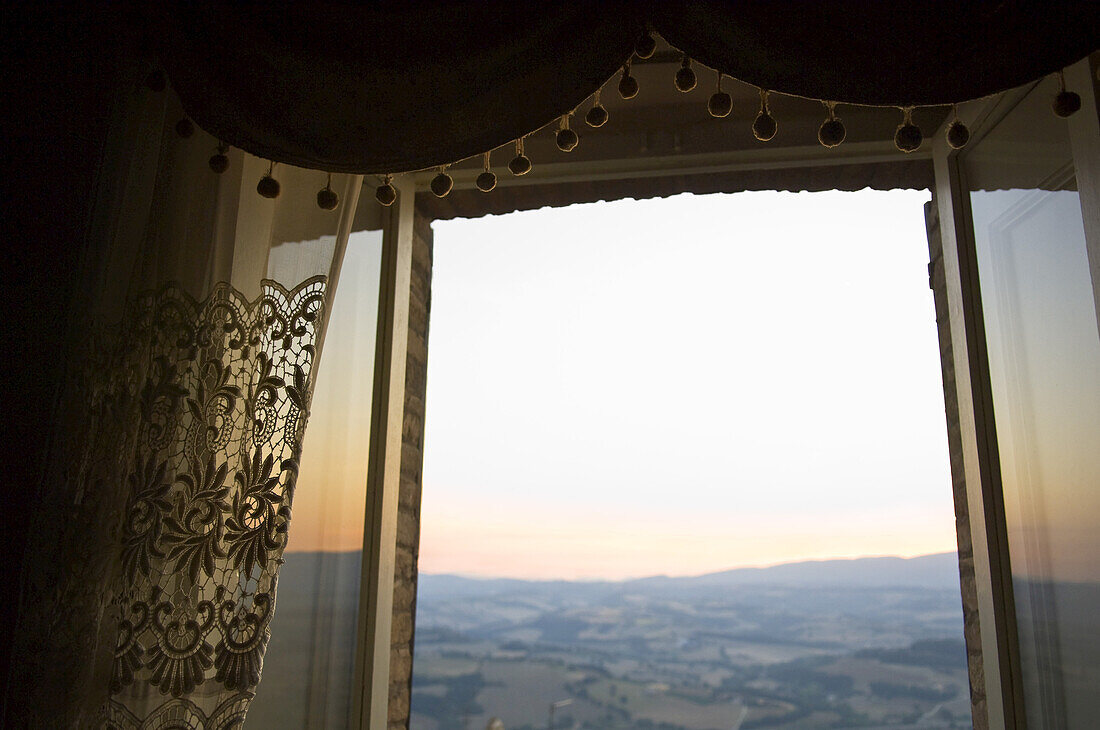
181, 432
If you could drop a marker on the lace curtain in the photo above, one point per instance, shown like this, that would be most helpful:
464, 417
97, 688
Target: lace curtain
181, 430
216, 428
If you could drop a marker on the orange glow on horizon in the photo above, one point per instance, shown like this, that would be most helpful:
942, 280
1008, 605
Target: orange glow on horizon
548, 543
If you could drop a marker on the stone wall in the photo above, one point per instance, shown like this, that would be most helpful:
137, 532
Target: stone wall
412, 460
938, 284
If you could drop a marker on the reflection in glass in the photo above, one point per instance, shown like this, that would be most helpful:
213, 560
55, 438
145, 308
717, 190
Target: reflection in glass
1044, 362
307, 673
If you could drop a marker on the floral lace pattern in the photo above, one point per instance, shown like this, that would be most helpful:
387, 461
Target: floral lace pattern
220, 391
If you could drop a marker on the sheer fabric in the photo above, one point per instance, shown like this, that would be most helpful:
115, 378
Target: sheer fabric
181, 431
309, 668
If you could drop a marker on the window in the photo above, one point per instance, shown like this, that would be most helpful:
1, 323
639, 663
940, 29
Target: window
681, 387
1044, 366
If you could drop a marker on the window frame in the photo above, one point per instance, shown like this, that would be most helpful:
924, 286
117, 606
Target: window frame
979, 454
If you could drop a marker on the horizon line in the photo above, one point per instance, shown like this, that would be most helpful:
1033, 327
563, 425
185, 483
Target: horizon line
481, 576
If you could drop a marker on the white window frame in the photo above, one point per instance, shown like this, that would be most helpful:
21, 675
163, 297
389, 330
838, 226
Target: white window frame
980, 456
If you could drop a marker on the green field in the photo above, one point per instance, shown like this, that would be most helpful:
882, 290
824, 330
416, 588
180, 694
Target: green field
671, 654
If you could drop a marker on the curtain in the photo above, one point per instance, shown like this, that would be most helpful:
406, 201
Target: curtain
412, 85
309, 668
181, 429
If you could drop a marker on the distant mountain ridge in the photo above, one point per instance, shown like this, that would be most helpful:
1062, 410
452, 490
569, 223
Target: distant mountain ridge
939, 571
926, 570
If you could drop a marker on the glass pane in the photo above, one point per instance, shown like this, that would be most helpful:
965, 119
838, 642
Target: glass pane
307, 672
1044, 361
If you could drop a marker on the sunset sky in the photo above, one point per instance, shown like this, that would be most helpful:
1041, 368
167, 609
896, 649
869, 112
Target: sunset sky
672, 386
684, 385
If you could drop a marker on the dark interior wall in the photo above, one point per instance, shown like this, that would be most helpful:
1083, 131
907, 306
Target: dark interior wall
62, 69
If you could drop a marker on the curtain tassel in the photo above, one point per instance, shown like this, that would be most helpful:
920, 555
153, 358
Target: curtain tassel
442, 183
720, 103
386, 193
268, 186
520, 164
597, 115
957, 134
764, 126
566, 138
1066, 103
832, 132
645, 46
326, 198
685, 77
185, 128
156, 80
218, 162
628, 85
487, 180
908, 137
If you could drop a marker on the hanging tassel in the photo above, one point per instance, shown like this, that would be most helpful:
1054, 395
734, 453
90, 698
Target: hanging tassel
908, 137
566, 138
720, 103
156, 80
764, 126
645, 45
386, 193
1066, 103
685, 77
628, 85
597, 115
268, 186
185, 128
832, 132
218, 162
487, 180
442, 183
519, 165
326, 198
957, 134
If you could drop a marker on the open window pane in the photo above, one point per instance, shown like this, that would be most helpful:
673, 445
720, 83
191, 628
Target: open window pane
1044, 363
307, 673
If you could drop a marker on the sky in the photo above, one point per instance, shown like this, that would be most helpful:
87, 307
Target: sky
331, 492
683, 385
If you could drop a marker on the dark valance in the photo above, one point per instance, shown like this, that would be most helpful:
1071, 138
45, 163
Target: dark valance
392, 87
